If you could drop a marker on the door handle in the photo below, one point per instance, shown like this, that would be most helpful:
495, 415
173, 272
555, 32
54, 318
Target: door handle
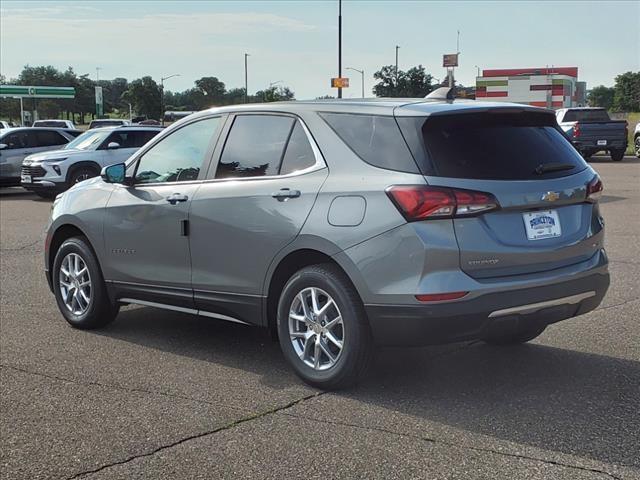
285, 193
177, 197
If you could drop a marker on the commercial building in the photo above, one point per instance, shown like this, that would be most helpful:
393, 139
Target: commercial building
555, 87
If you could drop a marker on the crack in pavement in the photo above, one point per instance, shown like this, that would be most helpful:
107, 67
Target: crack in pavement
121, 388
16, 249
451, 444
616, 305
197, 436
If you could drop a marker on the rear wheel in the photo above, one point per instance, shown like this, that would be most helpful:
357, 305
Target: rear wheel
617, 155
81, 174
323, 329
79, 288
521, 335
46, 195
586, 154
636, 145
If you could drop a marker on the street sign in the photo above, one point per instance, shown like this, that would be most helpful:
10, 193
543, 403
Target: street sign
17, 91
340, 82
99, 103
450, 60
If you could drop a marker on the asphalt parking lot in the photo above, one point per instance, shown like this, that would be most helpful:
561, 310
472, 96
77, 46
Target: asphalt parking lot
163, 395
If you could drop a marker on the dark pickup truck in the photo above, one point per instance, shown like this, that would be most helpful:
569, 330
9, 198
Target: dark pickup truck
591, 130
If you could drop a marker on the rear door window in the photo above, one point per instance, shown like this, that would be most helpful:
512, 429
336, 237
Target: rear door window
491, 146
255, 146
376, 139
45, 138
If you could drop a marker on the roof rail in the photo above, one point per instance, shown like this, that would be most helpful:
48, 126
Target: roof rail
442, 93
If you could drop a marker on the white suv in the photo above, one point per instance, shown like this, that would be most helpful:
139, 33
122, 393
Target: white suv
52, 172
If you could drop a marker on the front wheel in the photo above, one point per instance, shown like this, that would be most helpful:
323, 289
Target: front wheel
323, 329
636, 146
81, 174
617, 155
79, 288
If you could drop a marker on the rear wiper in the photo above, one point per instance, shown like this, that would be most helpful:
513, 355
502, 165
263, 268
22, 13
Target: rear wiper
552, 167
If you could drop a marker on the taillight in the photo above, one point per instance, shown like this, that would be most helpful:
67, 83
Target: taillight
594, 189
576, 130
424, 202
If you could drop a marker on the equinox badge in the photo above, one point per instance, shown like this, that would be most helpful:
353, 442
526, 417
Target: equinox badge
551, 196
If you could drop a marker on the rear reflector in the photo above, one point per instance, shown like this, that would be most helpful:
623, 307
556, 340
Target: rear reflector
440, 297
424, 202
594, 189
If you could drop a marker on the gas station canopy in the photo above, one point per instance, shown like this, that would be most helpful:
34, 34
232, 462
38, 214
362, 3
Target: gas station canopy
21, 91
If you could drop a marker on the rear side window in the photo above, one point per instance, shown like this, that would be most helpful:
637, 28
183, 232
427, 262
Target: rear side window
490, 146
254, 146
130, 139
46, 138
586, 116
375, 139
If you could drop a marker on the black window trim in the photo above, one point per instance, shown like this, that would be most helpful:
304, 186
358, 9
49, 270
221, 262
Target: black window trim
319, 163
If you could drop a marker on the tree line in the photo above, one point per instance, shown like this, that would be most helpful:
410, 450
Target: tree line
624, 96
143, 95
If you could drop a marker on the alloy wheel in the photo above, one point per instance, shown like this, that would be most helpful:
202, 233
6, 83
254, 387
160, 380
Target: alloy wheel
75, 284
316, 328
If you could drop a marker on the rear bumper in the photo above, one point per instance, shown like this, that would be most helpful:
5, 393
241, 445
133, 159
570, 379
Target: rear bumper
415, 325
592, 145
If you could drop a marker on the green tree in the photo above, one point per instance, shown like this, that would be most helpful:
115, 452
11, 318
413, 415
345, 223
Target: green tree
144, 94
415, 82
275, 94
627, 92
601, 96
213, 88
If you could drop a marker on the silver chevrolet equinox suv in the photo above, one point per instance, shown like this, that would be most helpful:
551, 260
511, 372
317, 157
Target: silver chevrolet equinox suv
340, 226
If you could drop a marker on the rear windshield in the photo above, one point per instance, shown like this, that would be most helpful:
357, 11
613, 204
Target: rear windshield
491, 146
586, 116
105, 123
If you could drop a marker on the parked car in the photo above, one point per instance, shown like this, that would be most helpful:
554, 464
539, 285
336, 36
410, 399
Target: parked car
52, 172
108, 122
341, 225
591, 130
4, 124
55, 123
18, 143
636, 140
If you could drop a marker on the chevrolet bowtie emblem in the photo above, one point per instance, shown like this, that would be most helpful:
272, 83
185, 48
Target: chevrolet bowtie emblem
551, 196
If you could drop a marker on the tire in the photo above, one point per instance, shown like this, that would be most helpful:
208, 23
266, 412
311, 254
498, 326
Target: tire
80, 174
522, 335
351, 361
617, 155
586, 155
80, 313
636, 146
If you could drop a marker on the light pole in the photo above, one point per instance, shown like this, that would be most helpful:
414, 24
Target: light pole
478, 70
339, 45
397, 48
246, 78
162, 79
361, 72
98, 74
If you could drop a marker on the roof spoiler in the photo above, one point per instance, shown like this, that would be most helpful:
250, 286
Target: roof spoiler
442, 93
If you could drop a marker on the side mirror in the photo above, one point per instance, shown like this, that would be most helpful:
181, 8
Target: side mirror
3, 146
113, 146
114, 173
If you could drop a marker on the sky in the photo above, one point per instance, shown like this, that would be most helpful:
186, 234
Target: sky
295, 42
